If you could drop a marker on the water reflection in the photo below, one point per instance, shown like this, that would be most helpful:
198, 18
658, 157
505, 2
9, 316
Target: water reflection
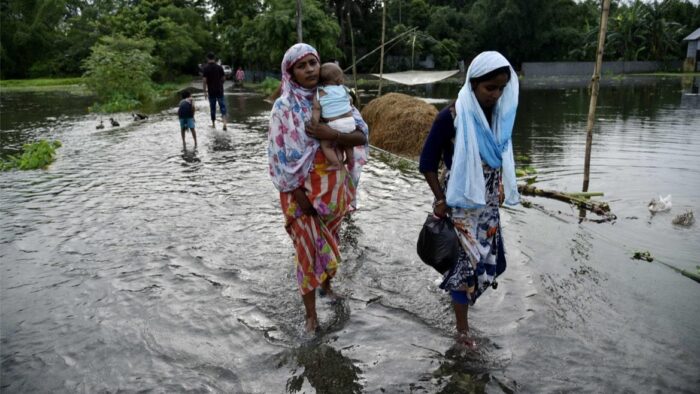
323, 368
190, 156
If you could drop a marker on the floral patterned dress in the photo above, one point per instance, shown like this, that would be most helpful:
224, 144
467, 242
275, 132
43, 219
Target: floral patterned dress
294, 162
481, 257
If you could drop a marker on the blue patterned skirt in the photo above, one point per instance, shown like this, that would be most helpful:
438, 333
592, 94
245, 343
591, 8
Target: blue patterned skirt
482, 257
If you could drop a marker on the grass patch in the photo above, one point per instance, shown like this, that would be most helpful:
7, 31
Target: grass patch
35, 155
25, 83
74, 85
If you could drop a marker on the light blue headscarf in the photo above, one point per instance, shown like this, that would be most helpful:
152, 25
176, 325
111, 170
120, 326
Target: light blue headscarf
476, 141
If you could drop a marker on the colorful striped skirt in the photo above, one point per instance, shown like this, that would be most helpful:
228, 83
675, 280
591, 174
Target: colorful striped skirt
315, 238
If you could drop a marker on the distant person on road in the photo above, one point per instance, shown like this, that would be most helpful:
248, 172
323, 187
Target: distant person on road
240, 76
333, 105
213, 85
186, 115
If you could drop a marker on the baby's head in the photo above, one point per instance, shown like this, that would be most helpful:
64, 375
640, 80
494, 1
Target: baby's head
331, 74
185, 94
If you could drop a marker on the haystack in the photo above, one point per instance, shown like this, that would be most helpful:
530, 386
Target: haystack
399, 123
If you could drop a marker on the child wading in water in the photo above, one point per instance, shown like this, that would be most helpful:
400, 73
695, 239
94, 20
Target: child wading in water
332, 103
186, 115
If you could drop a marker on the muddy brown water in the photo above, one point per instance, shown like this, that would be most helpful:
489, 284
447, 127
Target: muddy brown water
130, 266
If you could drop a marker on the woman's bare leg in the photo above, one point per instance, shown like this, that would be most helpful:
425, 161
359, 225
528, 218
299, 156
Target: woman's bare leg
461, 317
462, 320
310, 306
326, 287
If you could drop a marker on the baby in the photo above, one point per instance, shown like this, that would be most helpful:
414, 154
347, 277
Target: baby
333, 104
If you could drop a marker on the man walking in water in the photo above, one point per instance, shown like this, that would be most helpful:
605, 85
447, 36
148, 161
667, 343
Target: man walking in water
213, 85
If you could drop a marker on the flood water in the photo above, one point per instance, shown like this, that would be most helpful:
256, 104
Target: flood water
130, 266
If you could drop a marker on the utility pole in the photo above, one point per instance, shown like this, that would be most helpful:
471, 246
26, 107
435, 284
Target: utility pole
299, 36
595, 86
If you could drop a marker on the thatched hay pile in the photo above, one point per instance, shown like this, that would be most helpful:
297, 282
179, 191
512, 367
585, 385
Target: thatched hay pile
399, 123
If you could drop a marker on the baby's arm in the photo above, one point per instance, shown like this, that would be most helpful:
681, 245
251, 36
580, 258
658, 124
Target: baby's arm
194, 107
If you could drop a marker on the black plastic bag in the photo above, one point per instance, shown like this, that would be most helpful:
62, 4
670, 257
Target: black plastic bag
438, 245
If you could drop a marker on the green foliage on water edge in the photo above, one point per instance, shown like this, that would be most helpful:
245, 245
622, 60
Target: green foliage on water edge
269, 85
35, 155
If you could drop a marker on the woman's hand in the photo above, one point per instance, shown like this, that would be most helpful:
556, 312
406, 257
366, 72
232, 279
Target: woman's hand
440, 208
321, 131
303, 201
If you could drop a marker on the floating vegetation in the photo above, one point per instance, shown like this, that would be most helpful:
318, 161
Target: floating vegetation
525, 171
523, 159
645, 255
35, 155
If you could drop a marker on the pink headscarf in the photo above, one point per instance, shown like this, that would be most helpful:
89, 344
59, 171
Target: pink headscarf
290, 150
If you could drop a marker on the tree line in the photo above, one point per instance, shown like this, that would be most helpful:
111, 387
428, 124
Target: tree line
41, 38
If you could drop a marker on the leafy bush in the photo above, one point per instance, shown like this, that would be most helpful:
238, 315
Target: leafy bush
35, 155
119, 72
117, 103
269, 85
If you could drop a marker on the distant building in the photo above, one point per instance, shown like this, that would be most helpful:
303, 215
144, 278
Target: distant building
693, 54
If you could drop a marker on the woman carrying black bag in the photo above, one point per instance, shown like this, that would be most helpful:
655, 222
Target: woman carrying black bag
473, 138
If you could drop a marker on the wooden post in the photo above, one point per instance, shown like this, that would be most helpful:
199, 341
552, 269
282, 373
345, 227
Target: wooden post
352, 46
299, 35
381, 56
595, 85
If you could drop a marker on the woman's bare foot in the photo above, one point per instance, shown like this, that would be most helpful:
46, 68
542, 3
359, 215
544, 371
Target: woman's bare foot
464, 339
311, 324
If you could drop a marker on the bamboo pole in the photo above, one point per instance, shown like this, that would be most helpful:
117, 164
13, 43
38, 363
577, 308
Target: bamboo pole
411, 30
381, 58
586, 194
600, 208
687, 274
595, 85
352, 47
413, 49
299, 35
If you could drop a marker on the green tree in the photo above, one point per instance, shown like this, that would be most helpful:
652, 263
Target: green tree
119, 72
178, 29
627, 38
229, 18
27, 36
271, 32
